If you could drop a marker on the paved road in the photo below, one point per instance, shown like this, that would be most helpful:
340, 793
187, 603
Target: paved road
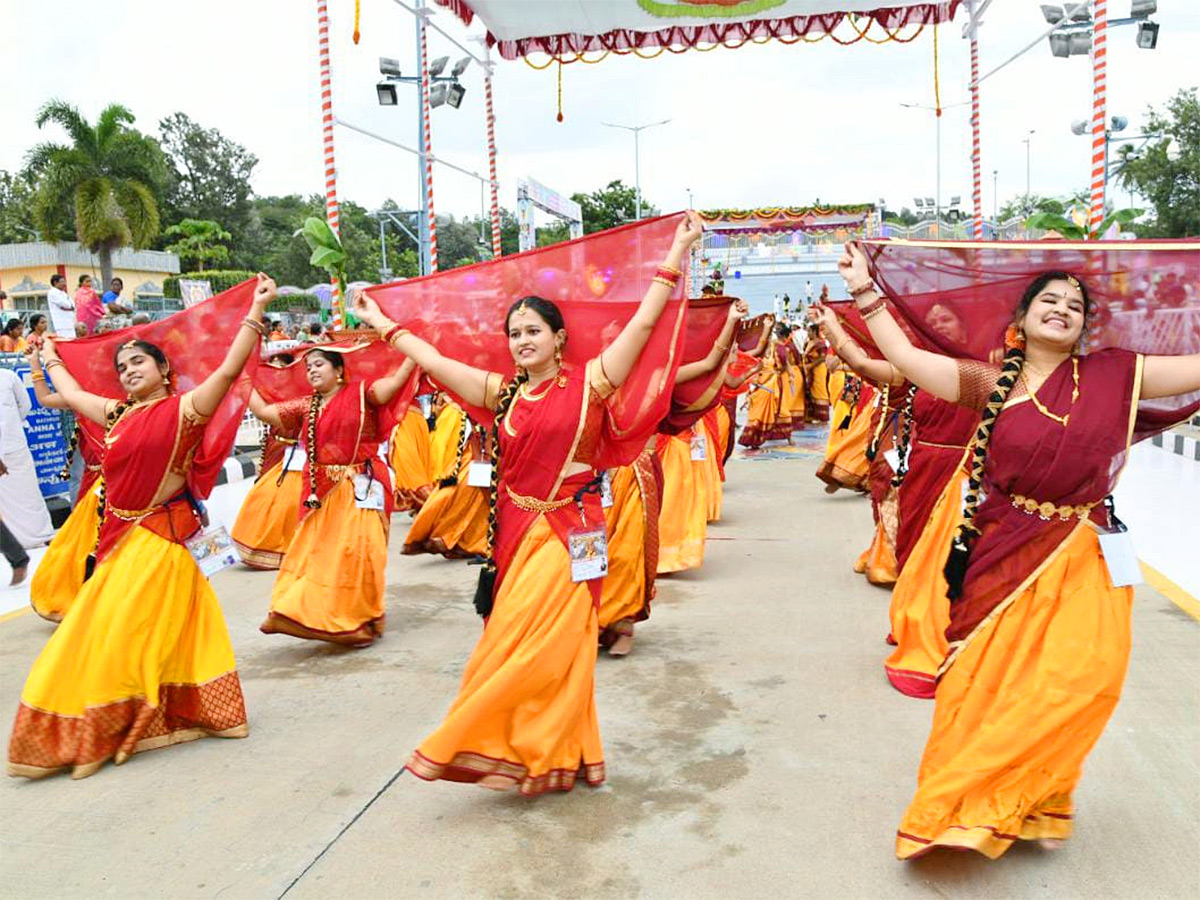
754, 750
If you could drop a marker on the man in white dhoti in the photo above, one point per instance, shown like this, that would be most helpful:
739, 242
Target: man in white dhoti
21, 504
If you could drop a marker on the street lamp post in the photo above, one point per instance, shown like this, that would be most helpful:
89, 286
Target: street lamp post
637, 176
1028, 138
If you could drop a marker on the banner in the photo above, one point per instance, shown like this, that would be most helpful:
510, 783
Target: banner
44, 434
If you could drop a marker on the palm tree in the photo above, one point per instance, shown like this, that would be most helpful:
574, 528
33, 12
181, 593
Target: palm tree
109, 173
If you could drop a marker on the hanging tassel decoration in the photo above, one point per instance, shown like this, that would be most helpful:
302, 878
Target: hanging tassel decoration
357, 12
560, 115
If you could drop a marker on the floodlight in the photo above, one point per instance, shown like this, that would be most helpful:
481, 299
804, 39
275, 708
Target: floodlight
1081, 126
437, 95
1139, 9
460, 66
454, 96
438, 66
954, 201
1147, 36
920, 203
1052, 14
929, 202
1060, 45
1078, 12
389, 66
386, 92
1117, 124
1080, 43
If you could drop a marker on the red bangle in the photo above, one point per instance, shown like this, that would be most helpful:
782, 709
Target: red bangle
391, 333
861, 289
668, 275
877, 305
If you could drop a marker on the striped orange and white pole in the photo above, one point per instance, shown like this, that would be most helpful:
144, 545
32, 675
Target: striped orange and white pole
426, 139
976, 174
331, 201
492, 183
1099, 113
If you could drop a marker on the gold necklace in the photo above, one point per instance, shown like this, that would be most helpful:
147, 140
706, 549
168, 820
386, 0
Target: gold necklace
1062, 420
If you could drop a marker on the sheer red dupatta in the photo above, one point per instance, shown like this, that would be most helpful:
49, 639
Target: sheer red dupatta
1145, 296
195, 342
690, 400
754, 334
597, 281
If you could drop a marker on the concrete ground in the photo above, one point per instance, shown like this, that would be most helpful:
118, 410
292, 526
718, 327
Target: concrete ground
754, 750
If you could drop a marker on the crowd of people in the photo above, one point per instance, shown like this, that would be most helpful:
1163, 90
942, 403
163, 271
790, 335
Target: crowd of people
982, 476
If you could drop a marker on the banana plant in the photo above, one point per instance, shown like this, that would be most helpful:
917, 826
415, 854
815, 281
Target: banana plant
1048, 221
327, 254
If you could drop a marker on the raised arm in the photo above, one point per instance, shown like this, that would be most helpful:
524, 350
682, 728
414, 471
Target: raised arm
383, 389
847, 349
265, 412
736, 381
207, 396
720, 349
89, 405
467, 382
1166, 376
618, 357
45, 396
932, 372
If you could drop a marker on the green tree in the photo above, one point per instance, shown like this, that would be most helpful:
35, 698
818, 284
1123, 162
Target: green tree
1169, 180
109, 176
200, 242
905, 217
207, 175
16, 209
611, 206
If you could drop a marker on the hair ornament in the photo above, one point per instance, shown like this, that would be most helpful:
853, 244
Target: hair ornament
1074, 282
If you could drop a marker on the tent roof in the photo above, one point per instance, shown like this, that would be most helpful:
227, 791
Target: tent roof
565, 29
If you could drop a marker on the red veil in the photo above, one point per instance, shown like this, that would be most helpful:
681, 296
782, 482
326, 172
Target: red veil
195, 342
690, 400
365, 360
1145, 296
597, 281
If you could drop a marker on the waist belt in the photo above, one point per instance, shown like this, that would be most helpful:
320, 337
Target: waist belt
1046, 510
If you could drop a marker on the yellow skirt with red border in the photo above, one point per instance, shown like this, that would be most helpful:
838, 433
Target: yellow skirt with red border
1020, 708
408, 455
526, 709
708, 471
623, 598
59, 575
452, 521
331, 583
269, 517
142, 661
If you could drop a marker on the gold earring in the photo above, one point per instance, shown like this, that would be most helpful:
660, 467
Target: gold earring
558, 355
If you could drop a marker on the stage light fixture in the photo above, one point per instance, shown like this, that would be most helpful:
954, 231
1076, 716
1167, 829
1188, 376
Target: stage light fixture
1147, 35
1052, 14
1117, 124
1081, 126
929, 202
920, 203
437, 95
438, 66
460, 66
389, 66
1060, 45
454, 97
386, 93
1078, 12
1080, 43
1139, 9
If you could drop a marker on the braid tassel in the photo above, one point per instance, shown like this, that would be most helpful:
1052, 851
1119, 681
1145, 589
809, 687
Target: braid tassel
485, 589
314, 409
906, 425
65, 474
964, 539
89, 564
450, 479
884, 406
850, 393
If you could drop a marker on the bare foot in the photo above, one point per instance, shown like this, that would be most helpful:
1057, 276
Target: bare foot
1050, 844
831, 488
496, 783
621, 646
18, 575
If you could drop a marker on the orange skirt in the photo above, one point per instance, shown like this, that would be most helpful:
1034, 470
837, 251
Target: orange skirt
59, 575
708, 473
683, 521
526, 709
268, 519
331, 582
846, 462
878, 561
920, 612
623, 599
724, 432
1020, 708
452, 521
408, 455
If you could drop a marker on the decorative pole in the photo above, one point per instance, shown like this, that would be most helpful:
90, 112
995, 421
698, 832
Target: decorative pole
976, 174
426, 152
1099, 114
332, 214
493, 184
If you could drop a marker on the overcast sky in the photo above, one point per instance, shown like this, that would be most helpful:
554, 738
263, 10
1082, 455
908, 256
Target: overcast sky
759, 125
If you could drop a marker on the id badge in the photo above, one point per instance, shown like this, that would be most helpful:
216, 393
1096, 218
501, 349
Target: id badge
1121, 558
699, 447
295, 459
213, 550
368, 492
606, 493
589, 554
893, 458
479, 474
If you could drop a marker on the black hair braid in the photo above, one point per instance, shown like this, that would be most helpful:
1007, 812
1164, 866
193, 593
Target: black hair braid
964, 538
902, 446
851, 391
89, 565
884, 409
487, 577
314, 410
450, 479
72, 446
262, 451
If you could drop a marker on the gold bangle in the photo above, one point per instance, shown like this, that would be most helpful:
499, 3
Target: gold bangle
37, 375
871, 308
874, 312
664, 282
724, 348
50, 363
674, 271
861, 289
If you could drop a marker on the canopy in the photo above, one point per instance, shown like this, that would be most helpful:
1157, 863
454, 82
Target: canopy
564, 29
770, 219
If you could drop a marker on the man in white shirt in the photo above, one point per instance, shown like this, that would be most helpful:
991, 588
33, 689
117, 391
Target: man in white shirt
62, 308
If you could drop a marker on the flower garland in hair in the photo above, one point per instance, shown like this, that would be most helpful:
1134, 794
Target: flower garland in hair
487, 577
902, 446
314, 410
964, 538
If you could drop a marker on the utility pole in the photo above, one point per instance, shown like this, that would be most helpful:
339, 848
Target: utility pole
637, 174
